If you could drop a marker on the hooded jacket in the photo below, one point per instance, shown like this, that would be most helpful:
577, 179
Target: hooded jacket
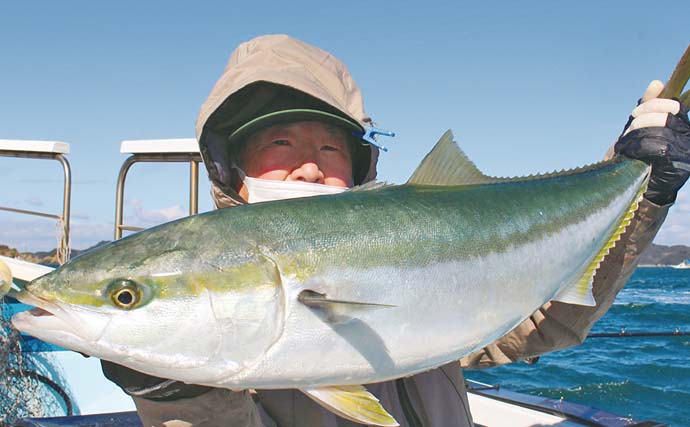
268, 69
264, 74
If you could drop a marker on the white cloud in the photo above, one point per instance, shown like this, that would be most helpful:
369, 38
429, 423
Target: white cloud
43, 234
34, 201
80, 216
31, 235
149, 217
676, 228
40, 181
85, 235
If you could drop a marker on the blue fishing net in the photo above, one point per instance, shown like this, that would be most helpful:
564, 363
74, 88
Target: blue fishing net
31, 384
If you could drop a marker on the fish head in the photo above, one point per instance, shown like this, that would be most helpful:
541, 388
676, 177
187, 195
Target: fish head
194, 322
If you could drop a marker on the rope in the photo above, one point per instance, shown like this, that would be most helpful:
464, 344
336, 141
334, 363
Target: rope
625, 334
63, 249
47, 381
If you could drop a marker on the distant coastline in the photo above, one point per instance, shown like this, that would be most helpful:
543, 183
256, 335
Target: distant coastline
654, 256
664, 256
42, 257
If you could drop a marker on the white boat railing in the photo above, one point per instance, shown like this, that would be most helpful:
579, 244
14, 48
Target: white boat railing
52, 150
25, 270
181, 150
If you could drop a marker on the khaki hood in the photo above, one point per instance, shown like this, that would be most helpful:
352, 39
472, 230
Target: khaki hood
264, 72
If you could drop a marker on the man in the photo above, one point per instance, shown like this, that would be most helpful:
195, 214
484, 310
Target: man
279, 123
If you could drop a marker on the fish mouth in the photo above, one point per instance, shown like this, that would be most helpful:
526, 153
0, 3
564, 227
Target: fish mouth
49, 322
39, 312
42, 307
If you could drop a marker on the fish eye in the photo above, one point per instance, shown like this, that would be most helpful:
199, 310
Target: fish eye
125, 293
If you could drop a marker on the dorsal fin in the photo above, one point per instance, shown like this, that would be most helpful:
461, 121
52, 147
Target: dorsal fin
446, 164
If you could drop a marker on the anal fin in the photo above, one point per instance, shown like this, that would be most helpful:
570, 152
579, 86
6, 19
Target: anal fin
352, 402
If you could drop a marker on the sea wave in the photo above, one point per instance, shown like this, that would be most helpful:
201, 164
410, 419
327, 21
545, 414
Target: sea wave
645, 378
646, 297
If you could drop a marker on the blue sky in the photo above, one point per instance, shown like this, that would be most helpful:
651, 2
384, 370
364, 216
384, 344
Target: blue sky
526, 87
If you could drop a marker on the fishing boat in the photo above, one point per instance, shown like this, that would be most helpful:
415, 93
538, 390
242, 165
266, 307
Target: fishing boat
684, 264
86, 398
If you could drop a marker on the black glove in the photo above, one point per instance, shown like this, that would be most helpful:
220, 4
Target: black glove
138, 384
666, 149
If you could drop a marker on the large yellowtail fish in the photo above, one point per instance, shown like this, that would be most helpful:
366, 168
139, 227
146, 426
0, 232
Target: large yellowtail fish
326, 293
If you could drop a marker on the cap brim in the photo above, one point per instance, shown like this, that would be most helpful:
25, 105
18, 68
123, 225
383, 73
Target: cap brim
289, 116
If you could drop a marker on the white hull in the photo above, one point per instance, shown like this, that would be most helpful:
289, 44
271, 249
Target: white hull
683, 265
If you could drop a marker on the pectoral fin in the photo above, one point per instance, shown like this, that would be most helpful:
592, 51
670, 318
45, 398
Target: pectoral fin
352, 402
316, 299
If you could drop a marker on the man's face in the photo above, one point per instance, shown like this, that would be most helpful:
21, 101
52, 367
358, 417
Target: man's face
300, 151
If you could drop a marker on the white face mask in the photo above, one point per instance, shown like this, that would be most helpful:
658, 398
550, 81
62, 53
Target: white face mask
264, 190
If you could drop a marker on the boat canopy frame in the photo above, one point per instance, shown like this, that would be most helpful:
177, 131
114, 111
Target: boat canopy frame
180, 150
51, 150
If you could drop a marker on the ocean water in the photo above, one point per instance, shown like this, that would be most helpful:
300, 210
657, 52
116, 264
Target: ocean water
643, 378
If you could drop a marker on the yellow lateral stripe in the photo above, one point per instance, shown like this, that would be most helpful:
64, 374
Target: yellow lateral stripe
585, 282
